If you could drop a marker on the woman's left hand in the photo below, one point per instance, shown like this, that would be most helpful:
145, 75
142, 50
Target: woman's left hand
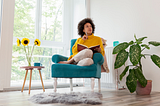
98, 49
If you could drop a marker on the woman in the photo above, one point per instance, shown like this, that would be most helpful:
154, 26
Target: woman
86, 29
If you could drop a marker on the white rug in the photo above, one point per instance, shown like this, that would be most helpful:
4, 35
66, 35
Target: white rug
71, 98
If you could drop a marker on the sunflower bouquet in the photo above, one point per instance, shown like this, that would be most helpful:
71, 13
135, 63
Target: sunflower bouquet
28, 52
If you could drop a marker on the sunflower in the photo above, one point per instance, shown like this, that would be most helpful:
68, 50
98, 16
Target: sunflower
25, 41
37, 42
18, 42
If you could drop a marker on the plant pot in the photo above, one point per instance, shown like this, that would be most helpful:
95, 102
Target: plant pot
144, 90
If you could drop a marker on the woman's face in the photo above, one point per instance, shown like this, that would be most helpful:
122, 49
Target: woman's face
87, 29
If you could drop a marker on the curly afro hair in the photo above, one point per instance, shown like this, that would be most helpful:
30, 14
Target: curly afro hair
81, 26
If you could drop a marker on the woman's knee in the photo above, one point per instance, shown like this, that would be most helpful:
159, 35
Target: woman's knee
88, 53
85, 62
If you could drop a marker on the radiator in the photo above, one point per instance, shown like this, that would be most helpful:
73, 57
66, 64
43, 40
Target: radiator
109, 80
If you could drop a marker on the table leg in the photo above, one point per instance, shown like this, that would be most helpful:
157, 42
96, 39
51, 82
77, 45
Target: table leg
41, 80
24, 80
30, 81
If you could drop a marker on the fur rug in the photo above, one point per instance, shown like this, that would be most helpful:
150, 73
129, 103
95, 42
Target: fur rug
71, 98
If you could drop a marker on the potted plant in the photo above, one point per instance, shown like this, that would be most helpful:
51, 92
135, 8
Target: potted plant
135, 78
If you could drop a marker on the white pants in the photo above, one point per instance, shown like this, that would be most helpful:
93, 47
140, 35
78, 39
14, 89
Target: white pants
84, 57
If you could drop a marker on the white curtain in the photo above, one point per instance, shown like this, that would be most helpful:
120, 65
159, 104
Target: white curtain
6, 42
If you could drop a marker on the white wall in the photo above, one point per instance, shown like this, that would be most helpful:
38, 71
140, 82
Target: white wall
120, 19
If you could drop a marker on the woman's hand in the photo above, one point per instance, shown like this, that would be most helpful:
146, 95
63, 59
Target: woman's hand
85, 37
98, 49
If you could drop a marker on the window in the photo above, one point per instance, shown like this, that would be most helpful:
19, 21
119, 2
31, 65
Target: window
24, 18
41, 19
51, 27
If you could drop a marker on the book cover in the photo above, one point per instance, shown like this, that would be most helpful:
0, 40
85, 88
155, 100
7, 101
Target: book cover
81, 47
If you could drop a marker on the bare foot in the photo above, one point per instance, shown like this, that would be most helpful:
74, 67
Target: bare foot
67, 62
63, 62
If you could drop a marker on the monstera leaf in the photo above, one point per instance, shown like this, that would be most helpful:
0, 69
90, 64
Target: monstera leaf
121, 46
135, 37
154, 43
142, 55
131, 42
124, 72
131, 81
146, 46
121, 58
141, 39
135, 54
138, 42
142, 80
156, 60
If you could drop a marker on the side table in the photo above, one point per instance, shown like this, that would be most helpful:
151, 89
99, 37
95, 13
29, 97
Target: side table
31, 68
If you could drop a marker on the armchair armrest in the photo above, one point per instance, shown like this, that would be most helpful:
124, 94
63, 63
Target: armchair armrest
98, 58
56, 58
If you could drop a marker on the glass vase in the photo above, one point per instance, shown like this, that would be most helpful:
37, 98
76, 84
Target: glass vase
29, 61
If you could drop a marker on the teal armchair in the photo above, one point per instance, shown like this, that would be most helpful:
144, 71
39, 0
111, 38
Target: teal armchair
74, 71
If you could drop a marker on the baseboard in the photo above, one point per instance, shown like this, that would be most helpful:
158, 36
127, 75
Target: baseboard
40, 87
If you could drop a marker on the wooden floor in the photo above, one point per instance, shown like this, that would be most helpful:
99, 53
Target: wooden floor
110, 98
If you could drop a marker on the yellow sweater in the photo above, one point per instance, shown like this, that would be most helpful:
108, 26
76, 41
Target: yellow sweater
91, 41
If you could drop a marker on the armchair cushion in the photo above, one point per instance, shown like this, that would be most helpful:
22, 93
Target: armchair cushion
74, 71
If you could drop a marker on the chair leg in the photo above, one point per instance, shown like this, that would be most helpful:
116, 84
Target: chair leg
71, 86
92, 84
55, 84
99, 84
